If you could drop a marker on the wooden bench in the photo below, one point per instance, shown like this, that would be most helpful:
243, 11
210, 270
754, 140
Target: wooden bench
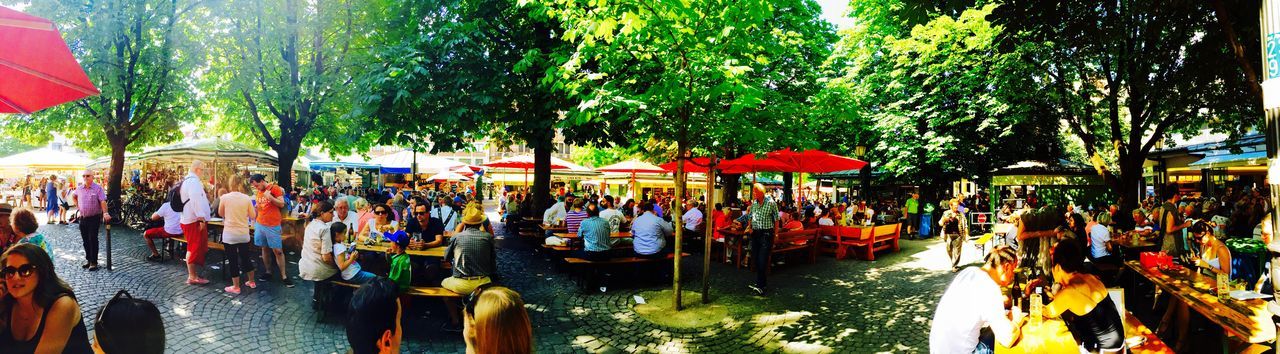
582, 279
171, 246
327, 295
880, 238
419, 291
800, 241
838, 239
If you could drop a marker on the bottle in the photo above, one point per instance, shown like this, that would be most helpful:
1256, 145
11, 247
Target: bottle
1224, 286
1037, 306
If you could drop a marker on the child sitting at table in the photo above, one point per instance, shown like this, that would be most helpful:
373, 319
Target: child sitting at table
401, 267
345, 255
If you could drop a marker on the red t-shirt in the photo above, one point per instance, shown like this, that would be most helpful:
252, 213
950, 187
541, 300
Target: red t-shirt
268, 213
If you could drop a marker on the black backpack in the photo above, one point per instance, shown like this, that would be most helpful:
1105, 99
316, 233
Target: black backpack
175, 198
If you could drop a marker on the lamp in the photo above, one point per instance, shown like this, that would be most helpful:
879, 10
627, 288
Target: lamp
860, 150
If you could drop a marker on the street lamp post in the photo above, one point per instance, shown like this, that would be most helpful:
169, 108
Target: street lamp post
865, 173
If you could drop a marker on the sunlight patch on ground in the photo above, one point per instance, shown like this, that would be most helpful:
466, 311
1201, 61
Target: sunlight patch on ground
624, 317
933, 256
580, 311
181, 311
659, 308
797, 347
208, 337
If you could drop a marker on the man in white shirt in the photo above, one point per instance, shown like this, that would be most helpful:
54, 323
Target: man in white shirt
195, 212
612, 215
171, 228
692, 218
555, 214
1098, 237
342, 213
974, 301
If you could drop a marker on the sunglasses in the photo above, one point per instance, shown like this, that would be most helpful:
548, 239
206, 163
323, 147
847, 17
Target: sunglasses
469, 302
380, 212
22, 271
122, 294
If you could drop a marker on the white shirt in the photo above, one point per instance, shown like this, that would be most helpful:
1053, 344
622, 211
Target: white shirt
350, 219
235, 224
614, 217
826, 222
197, 202
172, 225
692, 219
554, 214
351, 270
971, 302
447, 215
316, 243
1098, 237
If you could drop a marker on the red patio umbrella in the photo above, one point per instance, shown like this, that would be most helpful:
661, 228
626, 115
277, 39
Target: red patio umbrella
523, 162
816, 161
37, 68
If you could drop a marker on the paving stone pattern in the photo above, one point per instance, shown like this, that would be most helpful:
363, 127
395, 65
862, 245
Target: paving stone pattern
848, 306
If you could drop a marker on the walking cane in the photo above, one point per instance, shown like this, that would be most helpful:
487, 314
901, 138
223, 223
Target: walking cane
109, 246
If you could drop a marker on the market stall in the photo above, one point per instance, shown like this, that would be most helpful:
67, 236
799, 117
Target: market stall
1055, 182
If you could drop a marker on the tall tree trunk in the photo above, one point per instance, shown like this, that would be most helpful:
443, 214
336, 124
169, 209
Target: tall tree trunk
541, 191
286, 154
1127, 190
788, 183
732, 184
677, 206
115, 176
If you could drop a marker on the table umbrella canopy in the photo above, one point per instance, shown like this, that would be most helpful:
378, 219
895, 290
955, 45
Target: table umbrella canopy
402, 162
447, 176
208, 149
37, 68
45, 159
632, 166
745, 164
525, 162
815, 161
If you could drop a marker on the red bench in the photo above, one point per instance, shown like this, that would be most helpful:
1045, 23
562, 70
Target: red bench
868, 240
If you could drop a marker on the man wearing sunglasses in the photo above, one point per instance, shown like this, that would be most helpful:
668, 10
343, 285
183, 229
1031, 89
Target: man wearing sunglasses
195, 213
92, 201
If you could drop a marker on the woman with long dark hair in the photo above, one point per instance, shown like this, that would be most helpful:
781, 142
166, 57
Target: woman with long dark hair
39, 309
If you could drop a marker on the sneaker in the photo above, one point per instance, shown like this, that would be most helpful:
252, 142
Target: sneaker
232, 289
155, 258
251, 284
192, 282
93, 268
288, 283
64, 223
264, 277
86, 265
758, 290
201, 281
449, 327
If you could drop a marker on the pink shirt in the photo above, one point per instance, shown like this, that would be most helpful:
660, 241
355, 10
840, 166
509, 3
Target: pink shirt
89, 199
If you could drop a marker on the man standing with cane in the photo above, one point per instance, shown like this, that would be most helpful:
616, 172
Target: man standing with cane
92, 201
764, 226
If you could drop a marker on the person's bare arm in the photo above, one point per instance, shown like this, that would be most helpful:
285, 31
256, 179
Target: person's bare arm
277, 201
63, 317
438, 241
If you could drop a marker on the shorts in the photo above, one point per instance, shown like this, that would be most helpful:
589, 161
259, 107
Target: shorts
267, 236
156, 232
197, 242
463, 286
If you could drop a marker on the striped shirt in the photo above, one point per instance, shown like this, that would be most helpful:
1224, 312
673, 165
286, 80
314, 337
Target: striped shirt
595, 233
763, 215
573, 219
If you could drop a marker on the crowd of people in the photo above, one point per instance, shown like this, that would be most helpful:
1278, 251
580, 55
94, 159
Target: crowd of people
41, 314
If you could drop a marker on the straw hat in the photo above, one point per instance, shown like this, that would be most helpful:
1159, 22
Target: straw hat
473, 214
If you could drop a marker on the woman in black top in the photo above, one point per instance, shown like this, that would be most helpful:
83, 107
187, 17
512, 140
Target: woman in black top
40, 311
1083, 303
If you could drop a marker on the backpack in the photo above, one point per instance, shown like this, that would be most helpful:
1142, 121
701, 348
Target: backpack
175, 198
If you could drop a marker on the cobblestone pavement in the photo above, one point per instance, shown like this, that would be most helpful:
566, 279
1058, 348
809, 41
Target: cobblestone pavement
831, 306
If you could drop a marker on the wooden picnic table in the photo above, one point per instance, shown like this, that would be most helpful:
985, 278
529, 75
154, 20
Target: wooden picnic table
1052, 336
1246, 319
620, 234
437, 252
553, 229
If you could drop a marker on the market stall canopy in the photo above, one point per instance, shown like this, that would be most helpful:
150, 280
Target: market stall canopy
525, 162
402, 163
1057, 172
347, 162
746, 164
38, 68
1224, 159
632, 166
45, 159
447, 176
208, 149
104, 162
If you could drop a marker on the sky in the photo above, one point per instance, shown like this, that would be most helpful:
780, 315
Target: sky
833, 11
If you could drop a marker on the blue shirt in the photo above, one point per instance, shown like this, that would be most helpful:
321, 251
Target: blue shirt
657, 210
595, 232
649, 233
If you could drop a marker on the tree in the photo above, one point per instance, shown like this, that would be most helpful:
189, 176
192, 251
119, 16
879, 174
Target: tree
453, 70
695, 74
281, 72
139, 55
1124, 75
